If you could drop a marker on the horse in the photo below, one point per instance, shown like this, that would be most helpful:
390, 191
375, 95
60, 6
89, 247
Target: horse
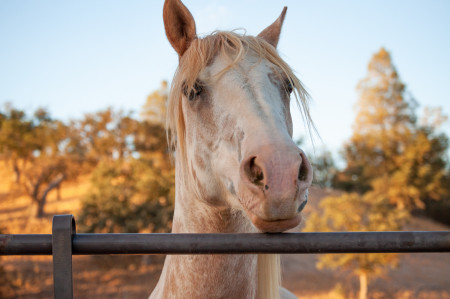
237, 169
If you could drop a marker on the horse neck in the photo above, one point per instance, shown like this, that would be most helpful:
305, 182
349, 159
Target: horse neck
205, 276
214, 276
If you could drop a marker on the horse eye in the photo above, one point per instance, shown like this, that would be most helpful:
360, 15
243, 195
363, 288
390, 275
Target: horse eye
194, 92
289, 86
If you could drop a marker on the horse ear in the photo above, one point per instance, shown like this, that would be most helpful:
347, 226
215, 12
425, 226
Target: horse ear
179, 25
272, 33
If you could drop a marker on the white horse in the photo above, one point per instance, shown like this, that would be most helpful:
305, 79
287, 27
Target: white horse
237, 168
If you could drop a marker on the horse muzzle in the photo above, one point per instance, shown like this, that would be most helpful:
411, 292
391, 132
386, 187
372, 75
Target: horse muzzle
273, 187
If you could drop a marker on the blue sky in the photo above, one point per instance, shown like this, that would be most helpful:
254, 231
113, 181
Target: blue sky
74, 57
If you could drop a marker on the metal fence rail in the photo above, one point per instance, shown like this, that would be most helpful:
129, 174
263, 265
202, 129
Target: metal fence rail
356, 242
65, 242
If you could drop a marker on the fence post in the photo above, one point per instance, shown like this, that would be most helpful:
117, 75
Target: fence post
63, 230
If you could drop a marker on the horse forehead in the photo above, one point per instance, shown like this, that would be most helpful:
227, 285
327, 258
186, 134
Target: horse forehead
249, 68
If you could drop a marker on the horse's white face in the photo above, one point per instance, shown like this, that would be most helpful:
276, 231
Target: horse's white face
239, 142
238, 131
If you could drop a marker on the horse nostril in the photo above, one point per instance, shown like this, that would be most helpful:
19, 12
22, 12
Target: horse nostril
303, 172
254, 172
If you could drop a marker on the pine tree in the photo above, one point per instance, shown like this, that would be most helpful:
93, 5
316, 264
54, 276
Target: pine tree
388, 145
394, 164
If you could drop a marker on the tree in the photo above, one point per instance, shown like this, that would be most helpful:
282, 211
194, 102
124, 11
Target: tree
394, 164
17, 141
54, 159
154, 109
150, 144
323, 165
388, 144
384, 118
131, 195
438, 210
133, 191
353, 212
40, 151
324, 168
106, 134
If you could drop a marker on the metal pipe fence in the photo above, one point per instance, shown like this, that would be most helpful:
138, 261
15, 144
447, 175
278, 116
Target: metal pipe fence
65, 242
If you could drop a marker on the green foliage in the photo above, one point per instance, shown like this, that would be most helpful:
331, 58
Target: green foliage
324, 168
134, 190
128, 196
17, 141
132, 175
40, 151
439, 210
107, 134
323, 165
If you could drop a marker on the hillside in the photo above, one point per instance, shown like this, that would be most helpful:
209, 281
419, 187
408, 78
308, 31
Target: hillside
418, 275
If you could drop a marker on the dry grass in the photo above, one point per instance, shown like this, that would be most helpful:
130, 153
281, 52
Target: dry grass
418, 275
16, 212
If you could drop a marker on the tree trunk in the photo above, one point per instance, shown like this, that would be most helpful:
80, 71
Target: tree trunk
42, 200
17, 172
40, 208
363, 285
58, 192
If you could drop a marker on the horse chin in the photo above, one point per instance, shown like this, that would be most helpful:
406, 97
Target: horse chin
274, 226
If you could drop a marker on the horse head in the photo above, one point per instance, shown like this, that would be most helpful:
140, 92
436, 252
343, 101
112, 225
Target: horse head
229, 119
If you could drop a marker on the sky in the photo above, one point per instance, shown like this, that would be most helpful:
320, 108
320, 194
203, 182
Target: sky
77, 57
